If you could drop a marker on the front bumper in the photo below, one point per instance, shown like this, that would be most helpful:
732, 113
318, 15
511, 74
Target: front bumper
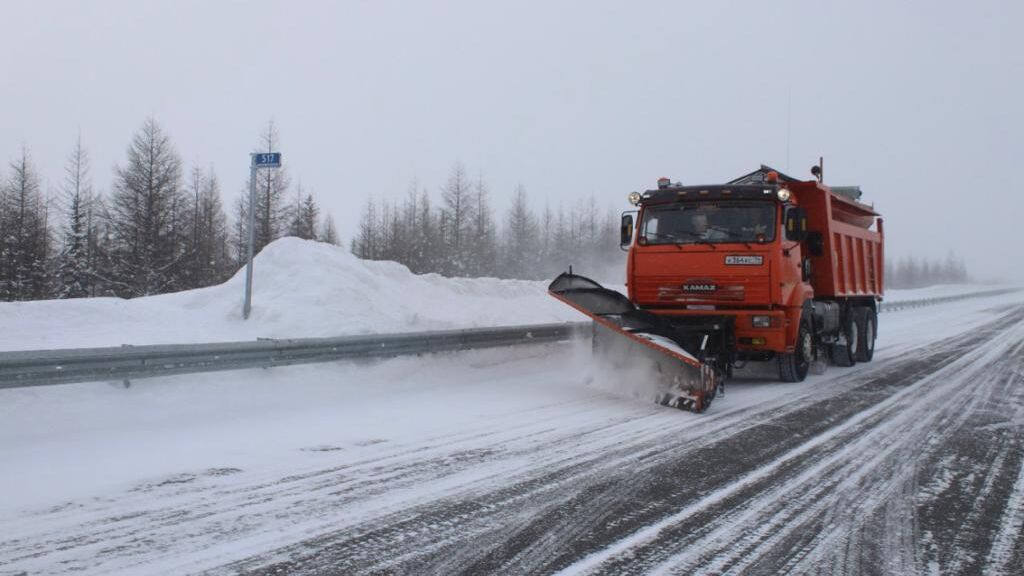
748, 338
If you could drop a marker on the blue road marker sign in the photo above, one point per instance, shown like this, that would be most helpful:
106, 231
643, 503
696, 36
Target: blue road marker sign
267, 160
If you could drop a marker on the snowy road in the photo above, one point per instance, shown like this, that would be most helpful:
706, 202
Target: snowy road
524, 461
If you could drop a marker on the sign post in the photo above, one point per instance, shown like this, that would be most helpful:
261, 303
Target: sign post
258, 160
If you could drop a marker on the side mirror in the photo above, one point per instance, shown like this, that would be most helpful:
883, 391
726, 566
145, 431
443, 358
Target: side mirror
796, 224
815, 244
626, 231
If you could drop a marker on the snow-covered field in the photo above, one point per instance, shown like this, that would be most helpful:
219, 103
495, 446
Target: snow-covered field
527, 460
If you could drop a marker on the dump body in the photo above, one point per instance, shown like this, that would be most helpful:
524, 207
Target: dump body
851, 263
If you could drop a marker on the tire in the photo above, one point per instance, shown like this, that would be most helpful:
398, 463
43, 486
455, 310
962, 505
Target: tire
867, 327
846, 354
794, 367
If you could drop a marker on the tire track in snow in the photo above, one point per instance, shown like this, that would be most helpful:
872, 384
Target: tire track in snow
578, 466
983, 459
611, 498
161, 521
178, 518
532, 491
1007, 551
866, 475
814, 515
436, 528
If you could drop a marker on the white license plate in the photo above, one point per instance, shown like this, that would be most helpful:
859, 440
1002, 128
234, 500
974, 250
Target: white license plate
744, 260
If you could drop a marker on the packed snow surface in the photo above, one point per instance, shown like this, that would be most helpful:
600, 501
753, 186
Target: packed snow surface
301, 289
184, 474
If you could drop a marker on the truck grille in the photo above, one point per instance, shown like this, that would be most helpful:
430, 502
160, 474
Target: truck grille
703, 290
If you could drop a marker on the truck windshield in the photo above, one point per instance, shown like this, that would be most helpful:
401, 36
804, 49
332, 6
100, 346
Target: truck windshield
709, 222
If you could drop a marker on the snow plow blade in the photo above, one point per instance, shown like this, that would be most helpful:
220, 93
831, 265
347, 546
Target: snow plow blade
623, 333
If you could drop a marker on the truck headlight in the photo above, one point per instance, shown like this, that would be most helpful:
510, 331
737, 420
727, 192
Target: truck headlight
634, 198
761, 321
783, 194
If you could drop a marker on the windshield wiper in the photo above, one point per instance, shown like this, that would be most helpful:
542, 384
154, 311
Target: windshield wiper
676, 240
699, 238
731, 234
672, 237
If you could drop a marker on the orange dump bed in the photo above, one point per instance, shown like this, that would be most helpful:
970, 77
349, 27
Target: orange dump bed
852, 240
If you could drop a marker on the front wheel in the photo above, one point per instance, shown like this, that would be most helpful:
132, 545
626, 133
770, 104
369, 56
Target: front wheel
793, 367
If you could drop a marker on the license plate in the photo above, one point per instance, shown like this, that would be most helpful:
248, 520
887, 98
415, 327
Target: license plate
744, 260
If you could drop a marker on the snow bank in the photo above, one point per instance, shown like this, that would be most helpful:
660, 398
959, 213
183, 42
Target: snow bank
300, 289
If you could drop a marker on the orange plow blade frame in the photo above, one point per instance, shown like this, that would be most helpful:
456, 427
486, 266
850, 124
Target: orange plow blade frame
623, 332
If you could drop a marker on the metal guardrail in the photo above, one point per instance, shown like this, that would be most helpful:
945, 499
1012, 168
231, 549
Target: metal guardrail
45, 367
906, 304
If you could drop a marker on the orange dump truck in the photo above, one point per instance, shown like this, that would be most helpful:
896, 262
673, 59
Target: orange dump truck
765, 267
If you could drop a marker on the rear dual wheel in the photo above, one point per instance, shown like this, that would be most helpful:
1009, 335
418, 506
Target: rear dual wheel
867, 330
861, 329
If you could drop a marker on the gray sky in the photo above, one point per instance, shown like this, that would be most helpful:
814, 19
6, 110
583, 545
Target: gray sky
921, 103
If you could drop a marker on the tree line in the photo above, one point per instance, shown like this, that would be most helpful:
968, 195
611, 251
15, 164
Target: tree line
911, 272
461, 236
158, 229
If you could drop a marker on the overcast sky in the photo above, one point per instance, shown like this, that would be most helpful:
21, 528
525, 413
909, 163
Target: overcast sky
921, 103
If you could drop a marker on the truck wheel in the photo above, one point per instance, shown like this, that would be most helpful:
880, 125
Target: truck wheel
793, 367
867, 324
846, 354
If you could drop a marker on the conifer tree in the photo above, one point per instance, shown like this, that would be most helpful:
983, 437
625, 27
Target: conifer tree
365, 244
145, 211
456, 219
271, 190
76, 275
521, 239
240, 231
483, 238
328, 231
304, 216
24, 237
208, 256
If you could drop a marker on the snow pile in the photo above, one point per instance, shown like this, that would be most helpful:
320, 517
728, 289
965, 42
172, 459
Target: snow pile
300, 289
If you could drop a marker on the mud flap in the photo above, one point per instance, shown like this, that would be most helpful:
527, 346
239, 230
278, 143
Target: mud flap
820, 363
624, 333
